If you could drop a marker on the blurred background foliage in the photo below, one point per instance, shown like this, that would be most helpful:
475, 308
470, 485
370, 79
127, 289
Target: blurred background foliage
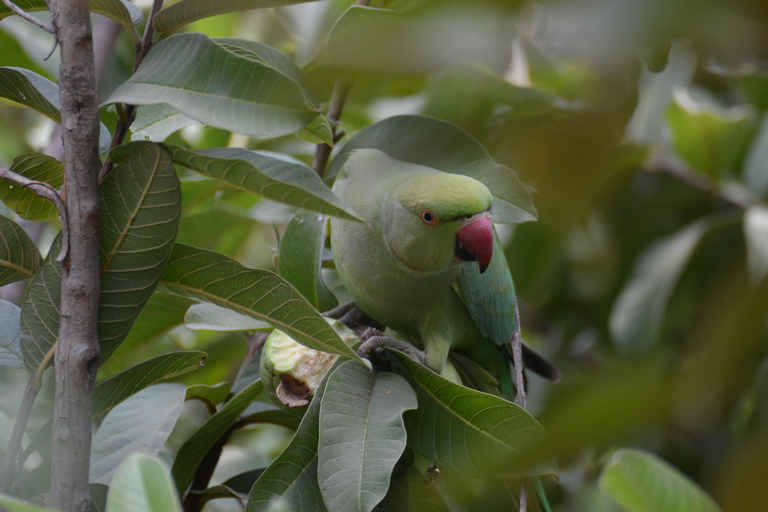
641, 129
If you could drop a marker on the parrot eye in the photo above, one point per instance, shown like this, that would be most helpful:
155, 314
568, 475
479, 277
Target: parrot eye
428, 217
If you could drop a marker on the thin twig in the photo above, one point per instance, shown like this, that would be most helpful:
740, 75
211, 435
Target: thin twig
129, 113
323, 151
45, 191
21, 12
520, 397
14, 445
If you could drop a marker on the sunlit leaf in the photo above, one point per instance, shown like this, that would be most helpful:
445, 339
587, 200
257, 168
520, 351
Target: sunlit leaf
278, 179
211, 317
114, 390
197, 446
300, 258
362, 435
19, 257
467, 431
142, 484
157, 122
140, 211
239, 85
318, 131
26, 203
141, 423
260, 294
10, 335
181, 13
446, 147
642, 482
37, 92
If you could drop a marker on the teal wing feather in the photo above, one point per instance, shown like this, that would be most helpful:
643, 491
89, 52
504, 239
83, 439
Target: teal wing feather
490, 296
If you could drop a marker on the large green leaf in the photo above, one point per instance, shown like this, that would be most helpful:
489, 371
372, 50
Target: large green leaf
238, 85
157, 122
140, 212
261, 294
290, 482
27, 204
10, 335
112, 391
37, 92
278, 179
122, 11
470, 432
362, 435
300, 258
199, 444
446, 147
141, 423
211, 317
181, 13
19, 257
142, 484
642, 482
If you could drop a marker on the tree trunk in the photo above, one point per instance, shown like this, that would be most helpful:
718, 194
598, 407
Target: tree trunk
77, 352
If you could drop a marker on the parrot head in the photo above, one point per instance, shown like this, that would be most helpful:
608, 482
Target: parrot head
432, 221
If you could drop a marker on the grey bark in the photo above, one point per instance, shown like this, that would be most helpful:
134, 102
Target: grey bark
77, 352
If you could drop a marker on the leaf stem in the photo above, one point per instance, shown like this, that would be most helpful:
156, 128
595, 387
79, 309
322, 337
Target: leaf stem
21, 12
14, 445
45, 191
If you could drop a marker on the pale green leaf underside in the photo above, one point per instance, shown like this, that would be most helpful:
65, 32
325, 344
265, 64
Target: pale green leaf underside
32, 90
642, 482
114, 390
184, 12
445, 147
19, 257
261, 294
10, 335
27, 204
470, 432
362, 435
211, 317
238, 85
157, 122
142, 484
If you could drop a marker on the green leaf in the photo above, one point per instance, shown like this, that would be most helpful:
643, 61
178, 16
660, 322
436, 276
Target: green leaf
411, 491
140, 212
243, 482
238, 85
122, 11
199, 444
278, 179
473, 433
142, 484
290, 482
157, 122
37, 92
98, 494
318, 131
181, 13
10, 335
217, 492
112, 391
195, 192
638, 314
14, 504
19, 257
24, 202
642, 482
261, 294
141, 423
214, 395
211, 317
755, 173
446, 147
300, 258
362, 435
711, 139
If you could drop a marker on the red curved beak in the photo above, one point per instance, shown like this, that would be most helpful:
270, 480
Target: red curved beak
475, 241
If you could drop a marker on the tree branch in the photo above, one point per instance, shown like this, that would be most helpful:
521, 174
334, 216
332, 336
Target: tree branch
45, 191
21, 12
77, 353
520, 397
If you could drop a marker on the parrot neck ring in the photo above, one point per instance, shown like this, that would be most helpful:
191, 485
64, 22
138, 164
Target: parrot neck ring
474, 240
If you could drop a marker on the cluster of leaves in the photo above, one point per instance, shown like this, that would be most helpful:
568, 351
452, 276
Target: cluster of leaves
647, 179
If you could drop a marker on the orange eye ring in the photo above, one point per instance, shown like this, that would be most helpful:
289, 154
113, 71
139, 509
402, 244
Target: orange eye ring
428, 218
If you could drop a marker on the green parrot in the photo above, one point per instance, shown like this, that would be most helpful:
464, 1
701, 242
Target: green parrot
426, 262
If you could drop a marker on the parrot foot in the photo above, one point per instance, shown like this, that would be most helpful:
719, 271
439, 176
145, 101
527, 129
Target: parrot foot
374, 339
352, 316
